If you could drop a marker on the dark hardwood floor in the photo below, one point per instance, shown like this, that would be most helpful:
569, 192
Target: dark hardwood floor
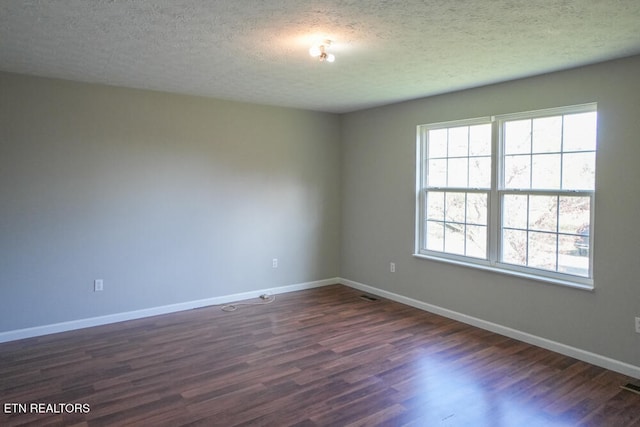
321, 357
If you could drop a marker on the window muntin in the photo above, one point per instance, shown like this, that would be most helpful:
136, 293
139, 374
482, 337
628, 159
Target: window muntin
456, 222
549, 232
457, 177
548, 153
535, 217
549, 161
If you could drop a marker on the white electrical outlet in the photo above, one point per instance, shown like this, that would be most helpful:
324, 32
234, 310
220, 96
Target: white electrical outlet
638, 325
98, 285
392, 267
274, 263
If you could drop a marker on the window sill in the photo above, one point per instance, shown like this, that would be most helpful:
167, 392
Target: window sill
550, 280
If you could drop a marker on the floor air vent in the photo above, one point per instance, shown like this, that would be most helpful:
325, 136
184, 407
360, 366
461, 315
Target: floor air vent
368, 298
631, 387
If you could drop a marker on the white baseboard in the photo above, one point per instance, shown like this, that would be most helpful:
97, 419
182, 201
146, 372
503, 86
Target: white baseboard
154, 311
576, 353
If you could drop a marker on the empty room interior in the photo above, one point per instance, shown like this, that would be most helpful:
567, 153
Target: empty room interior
320, 213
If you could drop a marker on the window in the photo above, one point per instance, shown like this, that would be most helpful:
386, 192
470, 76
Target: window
512, 193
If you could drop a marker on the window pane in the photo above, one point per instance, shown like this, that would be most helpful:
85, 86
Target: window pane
457, 173
438, 143
477, 208
579, 171
435, 236
517, 172
580, 131
514, 211
543, 213
435, 205
572, 259
476, 241
455, 207
514, 247
517, 137
480, 140
459, 142
437, 173
542, 250
582, 242
545, 172
575, 213
547, 134
480, 172
454, 239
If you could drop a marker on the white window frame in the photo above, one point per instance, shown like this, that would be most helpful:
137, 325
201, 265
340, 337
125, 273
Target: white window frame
495, 197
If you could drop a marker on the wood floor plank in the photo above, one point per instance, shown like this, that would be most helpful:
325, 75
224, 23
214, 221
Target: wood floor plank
320, 357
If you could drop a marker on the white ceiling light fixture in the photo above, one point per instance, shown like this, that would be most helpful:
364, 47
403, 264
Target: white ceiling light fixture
320, 51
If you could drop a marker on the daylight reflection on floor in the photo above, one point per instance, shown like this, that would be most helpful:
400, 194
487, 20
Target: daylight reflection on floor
450, 395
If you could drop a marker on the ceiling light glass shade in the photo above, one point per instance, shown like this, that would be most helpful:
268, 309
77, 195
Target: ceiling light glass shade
315, 51
320, 51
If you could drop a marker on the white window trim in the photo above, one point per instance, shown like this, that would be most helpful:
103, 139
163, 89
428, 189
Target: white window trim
492, 262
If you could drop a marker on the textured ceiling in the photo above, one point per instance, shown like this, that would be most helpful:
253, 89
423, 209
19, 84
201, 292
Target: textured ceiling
257, 51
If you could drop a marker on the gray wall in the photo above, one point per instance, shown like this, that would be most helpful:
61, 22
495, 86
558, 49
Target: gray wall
378, 178
167, 198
